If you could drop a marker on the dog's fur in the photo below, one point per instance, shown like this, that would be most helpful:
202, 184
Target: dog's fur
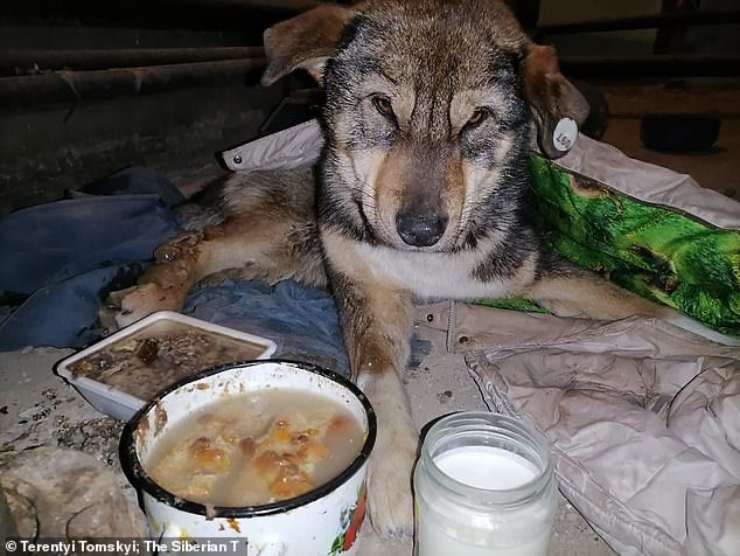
421, 193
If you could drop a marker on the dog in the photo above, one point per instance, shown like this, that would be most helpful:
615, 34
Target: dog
421, 192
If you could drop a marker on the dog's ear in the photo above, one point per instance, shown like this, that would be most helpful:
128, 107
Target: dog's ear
558, 107
306, 41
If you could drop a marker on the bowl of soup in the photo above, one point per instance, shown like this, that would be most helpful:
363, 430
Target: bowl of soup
273, 453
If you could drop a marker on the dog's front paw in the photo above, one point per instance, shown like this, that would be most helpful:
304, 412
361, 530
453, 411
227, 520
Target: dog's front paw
390, 501
125, 307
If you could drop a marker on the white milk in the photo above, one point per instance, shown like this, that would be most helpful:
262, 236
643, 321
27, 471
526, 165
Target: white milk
481, 517
486, 467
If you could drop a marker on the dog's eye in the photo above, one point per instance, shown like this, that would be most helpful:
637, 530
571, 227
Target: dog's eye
478, 117
383, 105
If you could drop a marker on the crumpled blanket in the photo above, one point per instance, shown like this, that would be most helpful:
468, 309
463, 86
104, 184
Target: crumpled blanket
643, 416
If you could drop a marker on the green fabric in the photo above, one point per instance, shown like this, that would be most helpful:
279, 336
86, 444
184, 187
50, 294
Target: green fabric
658, 253
513, 304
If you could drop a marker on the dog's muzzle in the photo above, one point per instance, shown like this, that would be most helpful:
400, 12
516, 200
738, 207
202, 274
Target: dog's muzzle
420, 230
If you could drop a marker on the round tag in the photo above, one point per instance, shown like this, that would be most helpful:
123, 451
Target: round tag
565, 134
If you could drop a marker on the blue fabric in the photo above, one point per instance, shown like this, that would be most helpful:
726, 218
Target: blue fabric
65, 257
62, 314
302, 321
68, 255
50, 243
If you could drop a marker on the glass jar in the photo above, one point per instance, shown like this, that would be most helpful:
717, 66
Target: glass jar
484, 485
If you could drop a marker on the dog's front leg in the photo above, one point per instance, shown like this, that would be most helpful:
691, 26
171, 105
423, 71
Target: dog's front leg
377, 321
251, 243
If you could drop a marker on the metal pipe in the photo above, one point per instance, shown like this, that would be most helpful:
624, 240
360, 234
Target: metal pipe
636, 101
641, 22
659, 66
18, 93
217, 15
23, 62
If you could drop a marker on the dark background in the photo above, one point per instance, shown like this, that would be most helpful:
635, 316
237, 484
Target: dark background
88, 87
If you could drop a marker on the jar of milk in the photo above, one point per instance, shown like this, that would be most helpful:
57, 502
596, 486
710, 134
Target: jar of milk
484, 485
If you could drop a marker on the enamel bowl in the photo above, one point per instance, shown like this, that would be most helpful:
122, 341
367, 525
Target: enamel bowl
323, 521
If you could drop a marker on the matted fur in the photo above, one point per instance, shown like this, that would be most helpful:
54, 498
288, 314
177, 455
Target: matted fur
421, 192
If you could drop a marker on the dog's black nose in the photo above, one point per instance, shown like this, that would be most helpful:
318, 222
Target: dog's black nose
420, 230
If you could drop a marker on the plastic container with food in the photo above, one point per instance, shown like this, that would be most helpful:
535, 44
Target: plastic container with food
119, 374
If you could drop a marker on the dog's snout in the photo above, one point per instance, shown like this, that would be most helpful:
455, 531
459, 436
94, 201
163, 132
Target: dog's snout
420, 230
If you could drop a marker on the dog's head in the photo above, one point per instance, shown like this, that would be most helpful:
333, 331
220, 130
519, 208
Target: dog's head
428, 104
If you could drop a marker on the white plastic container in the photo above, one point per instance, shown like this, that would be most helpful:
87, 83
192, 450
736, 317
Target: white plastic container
121, 405
484, 486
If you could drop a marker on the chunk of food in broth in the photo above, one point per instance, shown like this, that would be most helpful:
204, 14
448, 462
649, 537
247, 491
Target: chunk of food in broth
256, 448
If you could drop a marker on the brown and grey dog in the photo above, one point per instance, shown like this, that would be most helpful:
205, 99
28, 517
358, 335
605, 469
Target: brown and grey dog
420, 193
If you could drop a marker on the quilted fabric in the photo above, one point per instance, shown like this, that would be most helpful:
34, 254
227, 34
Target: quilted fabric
662, 254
